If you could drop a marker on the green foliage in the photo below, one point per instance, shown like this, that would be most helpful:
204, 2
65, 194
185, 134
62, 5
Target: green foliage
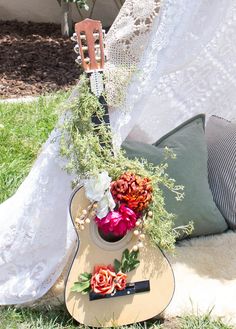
83, 285
89, 150
81, 139
128, 263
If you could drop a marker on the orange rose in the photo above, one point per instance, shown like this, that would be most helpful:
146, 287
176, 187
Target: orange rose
102, 281
120, 281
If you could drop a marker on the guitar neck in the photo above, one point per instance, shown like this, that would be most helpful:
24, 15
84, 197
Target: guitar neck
105, 119
90, 47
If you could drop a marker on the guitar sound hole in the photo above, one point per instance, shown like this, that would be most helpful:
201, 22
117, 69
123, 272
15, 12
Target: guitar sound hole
109, 237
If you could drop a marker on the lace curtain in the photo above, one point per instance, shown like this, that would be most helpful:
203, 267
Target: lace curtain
188, 67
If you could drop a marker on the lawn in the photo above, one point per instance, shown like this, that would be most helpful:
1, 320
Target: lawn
12, 318
23, 129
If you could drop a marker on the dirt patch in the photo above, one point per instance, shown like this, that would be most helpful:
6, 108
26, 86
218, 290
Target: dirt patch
173, 323
35, 59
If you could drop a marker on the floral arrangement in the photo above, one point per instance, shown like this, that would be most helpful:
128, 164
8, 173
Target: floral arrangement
126, 193
108, 279
119, 205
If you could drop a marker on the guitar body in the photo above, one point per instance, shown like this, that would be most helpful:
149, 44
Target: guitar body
94, 250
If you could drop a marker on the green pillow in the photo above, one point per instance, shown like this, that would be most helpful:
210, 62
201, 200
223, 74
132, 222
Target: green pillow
188, 169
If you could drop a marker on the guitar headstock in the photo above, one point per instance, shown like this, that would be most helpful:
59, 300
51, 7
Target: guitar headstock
90, 45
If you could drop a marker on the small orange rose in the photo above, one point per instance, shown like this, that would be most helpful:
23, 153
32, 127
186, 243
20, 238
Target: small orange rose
102, 281
120, 281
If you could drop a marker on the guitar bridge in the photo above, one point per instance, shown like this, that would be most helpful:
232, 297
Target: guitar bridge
131, 289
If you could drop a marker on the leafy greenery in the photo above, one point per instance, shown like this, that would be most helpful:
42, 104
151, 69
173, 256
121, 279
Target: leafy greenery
83, 285
129, 261
89, 149
81, 139
24, 127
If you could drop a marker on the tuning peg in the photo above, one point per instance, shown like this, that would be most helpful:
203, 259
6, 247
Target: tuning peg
96, 36
74, 37
78, 60
82, 36
76, 49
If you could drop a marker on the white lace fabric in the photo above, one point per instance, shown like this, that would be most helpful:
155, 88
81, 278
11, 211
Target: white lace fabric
35, 237
125, 42
187, 67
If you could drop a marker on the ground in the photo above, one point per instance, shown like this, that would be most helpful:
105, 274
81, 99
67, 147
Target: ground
35, 59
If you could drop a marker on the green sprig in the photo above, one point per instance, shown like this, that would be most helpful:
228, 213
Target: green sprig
128, 263
83, 286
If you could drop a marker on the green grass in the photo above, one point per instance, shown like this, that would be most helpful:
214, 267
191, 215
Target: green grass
12, 318
23, 129
202, 322
17, 318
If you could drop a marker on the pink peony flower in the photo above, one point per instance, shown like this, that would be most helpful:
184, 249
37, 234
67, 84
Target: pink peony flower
118, 222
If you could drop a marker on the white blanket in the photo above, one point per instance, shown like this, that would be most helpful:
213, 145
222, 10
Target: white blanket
205, 273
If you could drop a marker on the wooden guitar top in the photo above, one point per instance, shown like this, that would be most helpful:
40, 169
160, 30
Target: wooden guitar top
93, 250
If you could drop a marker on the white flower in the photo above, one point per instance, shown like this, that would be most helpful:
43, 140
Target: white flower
105, 205
1, 126
96, 187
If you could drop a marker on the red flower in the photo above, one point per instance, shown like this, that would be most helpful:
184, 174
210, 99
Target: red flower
102, 281
133, 190
120, 281
117, 222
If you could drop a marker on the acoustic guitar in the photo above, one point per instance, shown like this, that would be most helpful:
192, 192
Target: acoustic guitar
150, 285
